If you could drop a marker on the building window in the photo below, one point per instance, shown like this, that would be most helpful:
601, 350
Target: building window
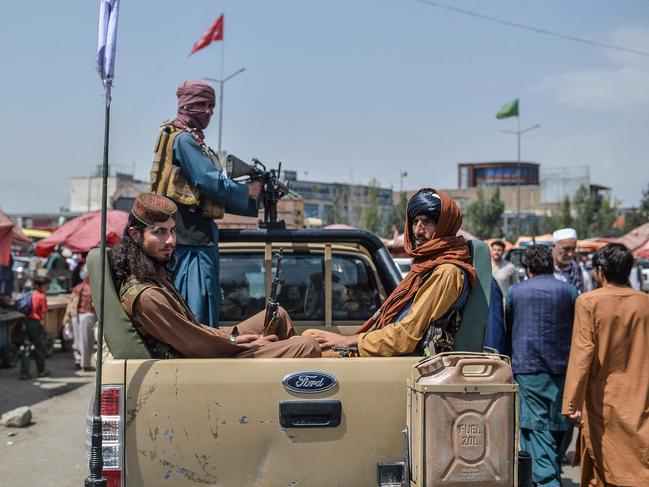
311, 210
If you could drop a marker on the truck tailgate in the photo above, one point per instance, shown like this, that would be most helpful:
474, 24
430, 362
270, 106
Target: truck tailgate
216, 422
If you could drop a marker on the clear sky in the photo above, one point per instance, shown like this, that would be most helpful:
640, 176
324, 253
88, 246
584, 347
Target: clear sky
338, 90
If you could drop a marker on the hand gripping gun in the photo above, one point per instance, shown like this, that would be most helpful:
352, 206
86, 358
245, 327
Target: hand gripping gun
270, 320
272, 191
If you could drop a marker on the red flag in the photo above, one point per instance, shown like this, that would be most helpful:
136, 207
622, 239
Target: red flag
214, 33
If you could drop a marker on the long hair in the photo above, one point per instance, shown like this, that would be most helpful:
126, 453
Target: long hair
129, 259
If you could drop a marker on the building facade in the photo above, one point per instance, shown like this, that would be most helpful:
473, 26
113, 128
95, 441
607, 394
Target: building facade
340, 202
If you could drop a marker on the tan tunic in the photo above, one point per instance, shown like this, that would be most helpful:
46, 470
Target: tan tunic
608, 380
160, 312
435, 297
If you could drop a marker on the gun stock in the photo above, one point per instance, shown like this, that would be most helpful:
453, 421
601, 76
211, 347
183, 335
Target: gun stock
270, 319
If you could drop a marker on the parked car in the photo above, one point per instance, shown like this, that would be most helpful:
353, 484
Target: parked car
641, 268
404, 264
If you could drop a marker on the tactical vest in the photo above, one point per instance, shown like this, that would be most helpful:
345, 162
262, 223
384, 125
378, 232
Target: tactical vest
167, 177
128, 293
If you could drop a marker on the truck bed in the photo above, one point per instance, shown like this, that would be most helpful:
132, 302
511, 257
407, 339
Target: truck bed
216, 421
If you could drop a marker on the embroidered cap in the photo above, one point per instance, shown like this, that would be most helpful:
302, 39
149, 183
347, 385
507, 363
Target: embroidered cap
150, 208
563, 234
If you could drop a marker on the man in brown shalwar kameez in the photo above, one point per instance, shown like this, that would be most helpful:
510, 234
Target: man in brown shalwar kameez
163, 319
607, 382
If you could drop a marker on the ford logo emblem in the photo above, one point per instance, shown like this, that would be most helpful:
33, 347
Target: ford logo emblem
309, 382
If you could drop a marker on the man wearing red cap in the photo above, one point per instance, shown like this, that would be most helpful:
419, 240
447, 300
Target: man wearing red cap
166, 324
188, 172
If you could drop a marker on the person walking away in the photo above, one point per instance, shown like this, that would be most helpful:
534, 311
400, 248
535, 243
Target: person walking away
188, 172
539, 315
564, 254
81, 314
503, 272
34, 331
607, 384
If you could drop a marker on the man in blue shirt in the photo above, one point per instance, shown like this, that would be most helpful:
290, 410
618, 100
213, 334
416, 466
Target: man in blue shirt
188, 172
539, 314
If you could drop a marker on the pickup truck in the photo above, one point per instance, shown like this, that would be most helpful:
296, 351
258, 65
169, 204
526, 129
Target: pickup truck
270, 422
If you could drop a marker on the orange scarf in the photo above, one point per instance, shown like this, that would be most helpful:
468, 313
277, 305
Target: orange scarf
443, 248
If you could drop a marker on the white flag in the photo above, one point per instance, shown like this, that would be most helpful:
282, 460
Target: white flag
107, 40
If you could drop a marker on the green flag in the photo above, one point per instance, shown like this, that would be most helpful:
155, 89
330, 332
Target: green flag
509, 110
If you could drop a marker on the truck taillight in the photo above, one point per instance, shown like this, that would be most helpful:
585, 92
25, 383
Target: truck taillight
112, 426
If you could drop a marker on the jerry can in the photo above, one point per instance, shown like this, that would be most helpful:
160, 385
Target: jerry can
463, 421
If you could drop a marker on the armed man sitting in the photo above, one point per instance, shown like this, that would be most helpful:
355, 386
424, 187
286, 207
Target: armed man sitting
161, 316
421, 315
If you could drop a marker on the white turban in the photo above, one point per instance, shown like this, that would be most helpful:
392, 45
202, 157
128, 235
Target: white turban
563, 234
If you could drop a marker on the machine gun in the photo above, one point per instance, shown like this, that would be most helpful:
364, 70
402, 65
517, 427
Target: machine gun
272, 188
270, 320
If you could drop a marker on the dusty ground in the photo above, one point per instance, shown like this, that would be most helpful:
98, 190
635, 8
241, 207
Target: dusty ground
51, 451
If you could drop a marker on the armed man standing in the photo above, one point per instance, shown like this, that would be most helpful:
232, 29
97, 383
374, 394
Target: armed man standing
188, 172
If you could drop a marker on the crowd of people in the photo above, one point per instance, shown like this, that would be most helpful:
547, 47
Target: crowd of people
578, 345
62, 272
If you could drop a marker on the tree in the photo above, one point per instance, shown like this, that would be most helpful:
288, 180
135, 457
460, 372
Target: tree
371, 216
603, 219
564, 219
585, 208
397, 218
638, 216
485, 217
595, 216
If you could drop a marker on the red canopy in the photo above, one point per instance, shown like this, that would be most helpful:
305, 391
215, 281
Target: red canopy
339, 226
83, 233
6, 226
396, 246
10, 235
642, 252
636, 238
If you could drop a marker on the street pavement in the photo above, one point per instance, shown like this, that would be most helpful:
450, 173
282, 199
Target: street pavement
51, 451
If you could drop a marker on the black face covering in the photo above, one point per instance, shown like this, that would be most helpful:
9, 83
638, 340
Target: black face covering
428, 204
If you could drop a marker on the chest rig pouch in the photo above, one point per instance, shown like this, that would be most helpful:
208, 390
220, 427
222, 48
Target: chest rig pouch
128, 293
168, 179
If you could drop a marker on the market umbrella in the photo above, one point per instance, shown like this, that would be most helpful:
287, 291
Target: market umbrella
636, 238
396, 245
339, 226
10, 234
83, 233
642, 252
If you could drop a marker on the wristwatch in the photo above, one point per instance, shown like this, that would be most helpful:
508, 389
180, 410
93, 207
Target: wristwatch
233, 339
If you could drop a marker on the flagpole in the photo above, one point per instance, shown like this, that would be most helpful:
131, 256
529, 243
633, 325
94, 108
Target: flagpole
106, 50
518, 134
96, 464
221, 83
518, 176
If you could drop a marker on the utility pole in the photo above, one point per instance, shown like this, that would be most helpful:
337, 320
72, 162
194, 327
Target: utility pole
518, 134
402, 174
221, 82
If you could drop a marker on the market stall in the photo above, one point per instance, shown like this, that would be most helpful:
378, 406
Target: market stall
9, 321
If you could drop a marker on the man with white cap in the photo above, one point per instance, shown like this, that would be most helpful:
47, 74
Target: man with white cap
564, 254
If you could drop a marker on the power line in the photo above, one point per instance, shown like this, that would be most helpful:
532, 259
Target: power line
496, 20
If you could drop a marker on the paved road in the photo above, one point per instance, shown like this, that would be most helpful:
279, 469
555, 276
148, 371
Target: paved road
52, 450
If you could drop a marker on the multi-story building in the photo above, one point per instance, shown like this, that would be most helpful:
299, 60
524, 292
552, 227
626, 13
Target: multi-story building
340, 202
531, 189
